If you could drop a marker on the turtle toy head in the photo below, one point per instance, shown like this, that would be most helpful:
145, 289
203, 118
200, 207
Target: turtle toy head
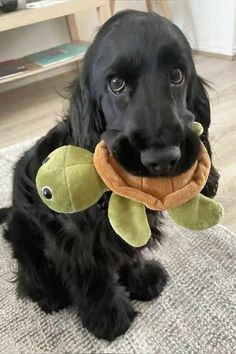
67, 181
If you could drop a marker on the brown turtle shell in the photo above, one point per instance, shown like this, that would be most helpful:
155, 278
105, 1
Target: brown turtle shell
159, 193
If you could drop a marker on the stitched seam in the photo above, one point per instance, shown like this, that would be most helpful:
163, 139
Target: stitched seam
172, 185
81, 163
68, 190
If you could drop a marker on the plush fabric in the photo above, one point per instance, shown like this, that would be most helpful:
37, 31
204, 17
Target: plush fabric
71, 182
198, 214
159, 193
178, 195
128, 218
70, 176
195, 314
73, 179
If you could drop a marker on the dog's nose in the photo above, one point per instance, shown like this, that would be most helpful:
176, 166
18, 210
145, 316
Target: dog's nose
161, 161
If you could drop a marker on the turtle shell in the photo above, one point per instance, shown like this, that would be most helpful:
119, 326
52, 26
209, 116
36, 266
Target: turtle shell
159, 193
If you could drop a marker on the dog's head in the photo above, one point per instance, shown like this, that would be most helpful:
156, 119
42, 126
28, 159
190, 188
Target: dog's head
139, 91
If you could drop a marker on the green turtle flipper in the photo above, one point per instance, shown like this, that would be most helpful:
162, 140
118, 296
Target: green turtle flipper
129, 220
198, 214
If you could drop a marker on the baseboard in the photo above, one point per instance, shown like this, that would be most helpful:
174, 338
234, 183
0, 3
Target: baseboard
229, 57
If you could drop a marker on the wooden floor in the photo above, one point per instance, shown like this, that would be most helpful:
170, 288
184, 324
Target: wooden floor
32, 110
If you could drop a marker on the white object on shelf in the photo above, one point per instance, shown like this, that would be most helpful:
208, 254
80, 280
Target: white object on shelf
21, 4
43, 3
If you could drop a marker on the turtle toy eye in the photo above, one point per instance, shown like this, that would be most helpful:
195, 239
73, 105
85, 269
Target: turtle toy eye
45, 160
47, 193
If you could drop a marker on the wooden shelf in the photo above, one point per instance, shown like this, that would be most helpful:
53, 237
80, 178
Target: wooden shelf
66, 9
35, 69
30, 16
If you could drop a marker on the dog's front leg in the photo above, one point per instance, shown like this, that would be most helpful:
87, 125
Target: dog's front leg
103, 305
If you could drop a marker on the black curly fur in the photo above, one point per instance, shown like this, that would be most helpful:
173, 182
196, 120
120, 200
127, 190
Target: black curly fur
77, 259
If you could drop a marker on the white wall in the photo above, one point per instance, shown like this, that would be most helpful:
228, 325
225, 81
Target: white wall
234, 42
209, 25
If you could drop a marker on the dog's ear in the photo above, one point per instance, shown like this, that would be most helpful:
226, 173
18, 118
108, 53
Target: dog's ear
86, 119
198, 103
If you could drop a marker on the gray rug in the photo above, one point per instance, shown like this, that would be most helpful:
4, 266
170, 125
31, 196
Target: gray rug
195, 314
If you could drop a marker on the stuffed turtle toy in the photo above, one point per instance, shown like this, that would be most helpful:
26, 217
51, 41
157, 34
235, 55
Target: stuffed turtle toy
72, 179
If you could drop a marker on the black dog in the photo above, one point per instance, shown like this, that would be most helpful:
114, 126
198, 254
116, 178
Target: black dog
140, 89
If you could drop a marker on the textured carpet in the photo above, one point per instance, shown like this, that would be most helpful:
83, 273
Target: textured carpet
195, 314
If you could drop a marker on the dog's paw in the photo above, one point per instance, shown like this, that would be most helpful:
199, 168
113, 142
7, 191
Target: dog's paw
50, 299
144, 281
113, 318
50, 304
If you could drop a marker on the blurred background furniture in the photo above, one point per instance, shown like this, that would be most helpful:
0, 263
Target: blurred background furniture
149, 4
66, 9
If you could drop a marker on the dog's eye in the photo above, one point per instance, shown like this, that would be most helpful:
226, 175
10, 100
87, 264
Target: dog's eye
176, 77
117, 85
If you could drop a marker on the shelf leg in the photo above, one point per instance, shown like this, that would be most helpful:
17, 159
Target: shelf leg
72, 28
165, 8
112, 7
73, 31
149, 5
103, 13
